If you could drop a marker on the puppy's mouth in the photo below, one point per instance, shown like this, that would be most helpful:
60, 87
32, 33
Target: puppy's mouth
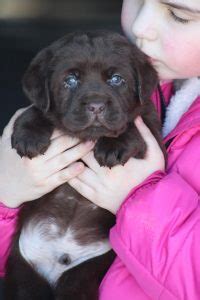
95, 120
98, 121
97, 126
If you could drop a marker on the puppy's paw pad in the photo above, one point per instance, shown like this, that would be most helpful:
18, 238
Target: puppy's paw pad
110, 154
30, 146
109, 160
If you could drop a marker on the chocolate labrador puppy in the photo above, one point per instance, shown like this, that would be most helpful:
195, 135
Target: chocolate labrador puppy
90, 85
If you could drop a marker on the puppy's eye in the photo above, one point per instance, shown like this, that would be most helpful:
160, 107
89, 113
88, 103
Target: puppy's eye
71, 81
116, 80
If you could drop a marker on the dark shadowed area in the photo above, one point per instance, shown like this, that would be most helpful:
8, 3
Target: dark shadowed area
26, 26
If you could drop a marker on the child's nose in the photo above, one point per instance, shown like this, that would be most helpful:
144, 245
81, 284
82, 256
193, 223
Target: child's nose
144, 26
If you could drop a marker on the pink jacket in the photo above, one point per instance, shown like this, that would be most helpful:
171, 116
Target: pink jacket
157, 233
8, 218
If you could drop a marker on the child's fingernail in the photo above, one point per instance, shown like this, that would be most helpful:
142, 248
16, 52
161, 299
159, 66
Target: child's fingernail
78, 166
89, 144
138, 120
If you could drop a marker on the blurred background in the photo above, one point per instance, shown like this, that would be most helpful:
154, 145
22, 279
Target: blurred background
26, 26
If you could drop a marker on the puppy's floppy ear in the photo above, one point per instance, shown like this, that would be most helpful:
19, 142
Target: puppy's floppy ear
35, 80
145, 76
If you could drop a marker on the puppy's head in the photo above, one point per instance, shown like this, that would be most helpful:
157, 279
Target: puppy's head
90, 84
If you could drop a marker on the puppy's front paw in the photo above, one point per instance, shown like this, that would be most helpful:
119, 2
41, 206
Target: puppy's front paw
31, 133
29, 143
109, 152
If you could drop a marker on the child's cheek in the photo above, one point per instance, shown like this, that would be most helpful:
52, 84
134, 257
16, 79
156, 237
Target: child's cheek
174, 53
184, 59
170, 48
177, 51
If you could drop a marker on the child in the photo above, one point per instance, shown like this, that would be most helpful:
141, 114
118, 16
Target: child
156, 236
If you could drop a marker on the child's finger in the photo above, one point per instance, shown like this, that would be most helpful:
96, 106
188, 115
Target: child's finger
91, 161
89, 178
56, 134
65, 175
67, 157
83, 189
59, 145
146, 133
9, 128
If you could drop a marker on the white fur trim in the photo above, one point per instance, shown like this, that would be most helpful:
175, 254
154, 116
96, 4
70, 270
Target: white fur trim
43, 251
180, 103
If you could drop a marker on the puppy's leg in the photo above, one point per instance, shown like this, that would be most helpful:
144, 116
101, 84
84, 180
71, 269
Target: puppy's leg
22, 282
112, 151
31, 133
82, 282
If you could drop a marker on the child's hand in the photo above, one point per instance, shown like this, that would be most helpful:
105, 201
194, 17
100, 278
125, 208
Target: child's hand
108, 187
23, 179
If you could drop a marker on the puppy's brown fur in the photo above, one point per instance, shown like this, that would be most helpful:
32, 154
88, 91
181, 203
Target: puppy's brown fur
91, 86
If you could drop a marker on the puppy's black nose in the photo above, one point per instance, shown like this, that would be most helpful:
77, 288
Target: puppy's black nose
96, 107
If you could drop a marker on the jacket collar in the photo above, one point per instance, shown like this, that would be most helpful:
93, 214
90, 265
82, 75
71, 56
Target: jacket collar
188, 121
178, 111
191, 116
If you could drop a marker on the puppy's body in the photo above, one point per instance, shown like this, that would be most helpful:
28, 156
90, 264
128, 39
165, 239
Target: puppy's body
91, 86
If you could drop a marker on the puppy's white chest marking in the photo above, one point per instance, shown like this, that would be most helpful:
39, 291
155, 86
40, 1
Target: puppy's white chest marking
51, 254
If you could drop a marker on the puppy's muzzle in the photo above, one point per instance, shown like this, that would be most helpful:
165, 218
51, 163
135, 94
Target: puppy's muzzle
96, 112
96, 108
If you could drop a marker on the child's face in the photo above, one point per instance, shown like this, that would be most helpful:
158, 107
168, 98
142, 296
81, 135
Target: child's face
168, 31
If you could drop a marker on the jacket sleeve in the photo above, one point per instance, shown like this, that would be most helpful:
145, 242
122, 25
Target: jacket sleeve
8, 218
157, 232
